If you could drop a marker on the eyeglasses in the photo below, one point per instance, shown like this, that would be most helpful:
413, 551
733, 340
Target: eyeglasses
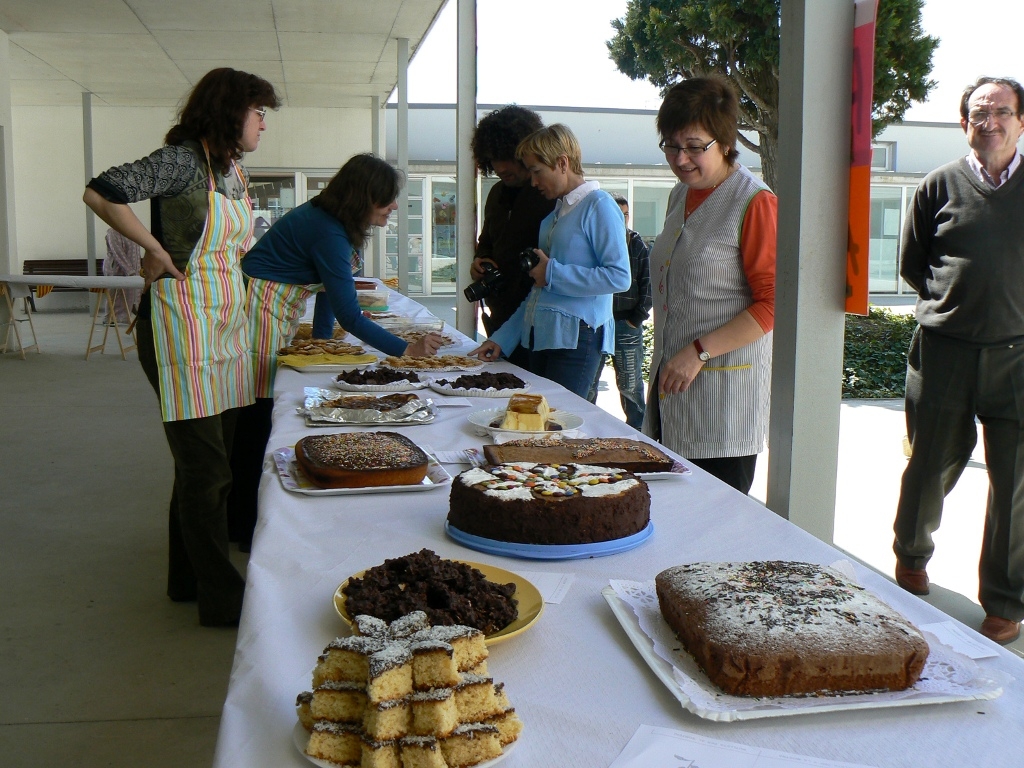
261, 112
980, 117
671, 150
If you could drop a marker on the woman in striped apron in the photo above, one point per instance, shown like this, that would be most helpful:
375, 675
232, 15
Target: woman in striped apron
192, 327
315, 247
713, 270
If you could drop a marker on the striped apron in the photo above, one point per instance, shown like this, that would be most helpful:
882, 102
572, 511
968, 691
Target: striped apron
199, 323
274, 312
699, 285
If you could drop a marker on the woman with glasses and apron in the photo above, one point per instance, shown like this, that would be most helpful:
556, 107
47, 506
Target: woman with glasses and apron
713, 276
315, 247
192, 327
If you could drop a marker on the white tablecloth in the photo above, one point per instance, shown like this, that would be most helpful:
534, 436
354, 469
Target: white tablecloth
575, 679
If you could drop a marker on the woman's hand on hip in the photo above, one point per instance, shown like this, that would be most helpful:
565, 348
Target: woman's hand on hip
156, 262
488, 352
425, 347
679, 372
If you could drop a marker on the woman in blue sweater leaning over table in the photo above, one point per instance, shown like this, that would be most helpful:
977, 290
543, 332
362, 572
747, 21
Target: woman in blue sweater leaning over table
566, 321
311, 248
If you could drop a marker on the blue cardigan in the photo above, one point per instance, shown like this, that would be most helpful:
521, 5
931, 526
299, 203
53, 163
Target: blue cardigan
308, 246
589, 263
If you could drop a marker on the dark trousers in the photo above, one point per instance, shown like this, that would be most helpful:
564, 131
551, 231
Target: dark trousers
575, 369
199, 567
737, 471
247, 454
949, 383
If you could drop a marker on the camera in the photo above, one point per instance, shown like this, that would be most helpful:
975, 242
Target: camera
493, 280
528, 259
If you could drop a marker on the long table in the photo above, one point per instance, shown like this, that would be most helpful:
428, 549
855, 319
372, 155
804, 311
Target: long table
575, 679
109, 288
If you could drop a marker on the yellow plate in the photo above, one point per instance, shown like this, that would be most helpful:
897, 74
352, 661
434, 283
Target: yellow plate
530, 602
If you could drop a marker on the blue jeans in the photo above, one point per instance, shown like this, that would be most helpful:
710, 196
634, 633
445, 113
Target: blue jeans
629, 365
574, 369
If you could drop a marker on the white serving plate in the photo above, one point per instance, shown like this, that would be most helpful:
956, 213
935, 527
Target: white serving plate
459, 392
482, 420
951, 676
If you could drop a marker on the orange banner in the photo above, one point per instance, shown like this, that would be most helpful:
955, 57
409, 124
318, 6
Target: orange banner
859, 243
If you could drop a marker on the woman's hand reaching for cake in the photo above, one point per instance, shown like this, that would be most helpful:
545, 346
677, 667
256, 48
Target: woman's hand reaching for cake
425, 347
488, 352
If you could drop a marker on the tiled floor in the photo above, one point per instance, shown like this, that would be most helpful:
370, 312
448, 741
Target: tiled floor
98, 668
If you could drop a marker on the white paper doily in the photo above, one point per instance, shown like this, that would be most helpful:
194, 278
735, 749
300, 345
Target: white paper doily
947, 676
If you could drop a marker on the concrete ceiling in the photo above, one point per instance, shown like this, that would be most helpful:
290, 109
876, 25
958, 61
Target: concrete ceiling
317, 53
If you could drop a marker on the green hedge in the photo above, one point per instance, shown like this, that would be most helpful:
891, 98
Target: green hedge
874, 353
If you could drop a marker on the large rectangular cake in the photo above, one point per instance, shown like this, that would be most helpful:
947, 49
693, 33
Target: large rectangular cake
621, 452
780, 628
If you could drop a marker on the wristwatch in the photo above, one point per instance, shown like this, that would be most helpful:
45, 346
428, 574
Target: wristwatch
704, 356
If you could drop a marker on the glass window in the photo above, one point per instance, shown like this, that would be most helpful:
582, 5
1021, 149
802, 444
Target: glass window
272, 197
615, 187
415, 235
650, 202
886, 225
443, 242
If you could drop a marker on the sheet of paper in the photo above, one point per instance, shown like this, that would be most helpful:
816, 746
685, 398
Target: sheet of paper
444, 402
553, 586
949, 633
653, 747
471, 456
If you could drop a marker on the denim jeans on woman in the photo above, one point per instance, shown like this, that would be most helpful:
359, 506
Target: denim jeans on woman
574, 369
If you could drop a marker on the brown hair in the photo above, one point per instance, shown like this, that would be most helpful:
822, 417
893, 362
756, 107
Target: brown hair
1006, 82
216, 110
365, 181
498, 134
708, 102
547, 144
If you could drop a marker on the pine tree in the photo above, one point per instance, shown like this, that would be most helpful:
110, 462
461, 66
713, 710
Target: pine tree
667, 41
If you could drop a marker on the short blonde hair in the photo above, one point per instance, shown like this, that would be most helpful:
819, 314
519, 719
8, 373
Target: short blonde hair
548, 143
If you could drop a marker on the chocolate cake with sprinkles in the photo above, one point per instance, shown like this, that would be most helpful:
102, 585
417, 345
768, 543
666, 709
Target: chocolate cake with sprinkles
779, 628
532, 503
360, 459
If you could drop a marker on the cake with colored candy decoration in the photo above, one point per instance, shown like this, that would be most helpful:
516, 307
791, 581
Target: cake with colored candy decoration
532, 503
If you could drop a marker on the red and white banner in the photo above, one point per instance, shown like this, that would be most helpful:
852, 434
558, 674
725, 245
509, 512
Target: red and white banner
859, 244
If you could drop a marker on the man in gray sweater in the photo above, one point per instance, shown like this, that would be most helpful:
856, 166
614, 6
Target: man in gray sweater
963, 252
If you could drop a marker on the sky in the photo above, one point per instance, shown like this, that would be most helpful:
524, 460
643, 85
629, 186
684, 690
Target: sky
553, 53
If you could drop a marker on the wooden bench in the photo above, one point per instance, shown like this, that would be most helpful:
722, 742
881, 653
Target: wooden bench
72, 267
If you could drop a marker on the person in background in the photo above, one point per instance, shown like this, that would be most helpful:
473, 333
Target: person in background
566, 321
962, 250
512, 214
192, 329
124, 258
714, 307
630, 309
312, 247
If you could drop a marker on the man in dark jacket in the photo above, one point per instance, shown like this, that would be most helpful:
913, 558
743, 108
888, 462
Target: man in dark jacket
512, 214
631, 307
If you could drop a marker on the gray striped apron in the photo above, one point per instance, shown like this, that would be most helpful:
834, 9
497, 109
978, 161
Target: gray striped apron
700, 285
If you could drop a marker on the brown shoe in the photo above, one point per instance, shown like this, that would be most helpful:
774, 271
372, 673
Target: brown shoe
1000, 630
914, 580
